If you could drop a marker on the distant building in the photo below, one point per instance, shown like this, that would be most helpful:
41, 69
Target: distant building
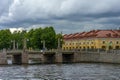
95, 39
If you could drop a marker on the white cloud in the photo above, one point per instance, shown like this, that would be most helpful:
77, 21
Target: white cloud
16, 29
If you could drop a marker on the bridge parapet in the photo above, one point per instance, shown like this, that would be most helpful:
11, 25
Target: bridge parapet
49, 52
34, 52
67, 52
14, 52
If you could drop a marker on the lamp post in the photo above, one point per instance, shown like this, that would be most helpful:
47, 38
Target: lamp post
13, 41
25, 43
17, 45
59, 44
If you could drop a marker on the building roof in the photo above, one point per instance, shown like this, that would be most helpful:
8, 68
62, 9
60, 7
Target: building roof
94, 34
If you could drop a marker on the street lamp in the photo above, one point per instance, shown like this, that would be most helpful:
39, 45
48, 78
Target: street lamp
25, 43
17, 45
59, 43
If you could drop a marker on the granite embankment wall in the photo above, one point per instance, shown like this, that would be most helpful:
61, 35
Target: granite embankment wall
97, 57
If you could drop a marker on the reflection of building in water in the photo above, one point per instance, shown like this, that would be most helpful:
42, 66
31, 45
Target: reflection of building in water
95, 39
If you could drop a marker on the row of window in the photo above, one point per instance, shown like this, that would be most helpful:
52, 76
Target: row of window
78, 43
92, 47
103, 42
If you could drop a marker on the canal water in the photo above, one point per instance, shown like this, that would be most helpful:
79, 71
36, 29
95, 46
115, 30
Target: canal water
78, 71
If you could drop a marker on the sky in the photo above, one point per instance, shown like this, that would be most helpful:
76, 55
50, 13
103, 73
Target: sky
66, 16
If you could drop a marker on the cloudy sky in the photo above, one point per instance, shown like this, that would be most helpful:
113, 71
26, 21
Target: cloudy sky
68, 16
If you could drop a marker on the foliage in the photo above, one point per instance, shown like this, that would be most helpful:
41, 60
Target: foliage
18, 36
34, 38
5, 39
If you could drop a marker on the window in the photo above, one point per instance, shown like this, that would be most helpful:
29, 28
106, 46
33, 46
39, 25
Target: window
70, 48
88, 47
117, 47
79, 43
83, 47
91, 42
117, 42
92, 47
67, 48
103, 42
110, 47
103, 47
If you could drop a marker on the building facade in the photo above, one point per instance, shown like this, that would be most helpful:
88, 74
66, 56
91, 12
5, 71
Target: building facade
95, 39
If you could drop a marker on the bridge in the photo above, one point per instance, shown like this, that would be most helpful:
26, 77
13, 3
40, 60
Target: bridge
38, 57
29, 57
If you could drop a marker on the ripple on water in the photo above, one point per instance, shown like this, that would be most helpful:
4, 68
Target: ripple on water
80, 71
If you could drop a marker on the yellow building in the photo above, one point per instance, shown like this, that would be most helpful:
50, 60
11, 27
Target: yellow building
95, 39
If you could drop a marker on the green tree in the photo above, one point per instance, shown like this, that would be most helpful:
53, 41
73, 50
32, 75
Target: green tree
34, 37
18, 36
30, 38
37, 38
5, 39
48, 34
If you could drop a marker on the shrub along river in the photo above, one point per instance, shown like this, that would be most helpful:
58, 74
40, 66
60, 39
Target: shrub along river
78, 71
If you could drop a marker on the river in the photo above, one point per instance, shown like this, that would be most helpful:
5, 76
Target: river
77, 71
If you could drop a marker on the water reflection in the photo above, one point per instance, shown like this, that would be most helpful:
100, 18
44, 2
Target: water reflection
79, 71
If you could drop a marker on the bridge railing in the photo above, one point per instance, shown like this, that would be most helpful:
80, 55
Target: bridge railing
55, 50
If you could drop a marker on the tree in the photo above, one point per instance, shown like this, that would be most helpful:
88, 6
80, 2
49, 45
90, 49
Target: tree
30, 38
48, 34
34, 38
5, 39
18, 37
